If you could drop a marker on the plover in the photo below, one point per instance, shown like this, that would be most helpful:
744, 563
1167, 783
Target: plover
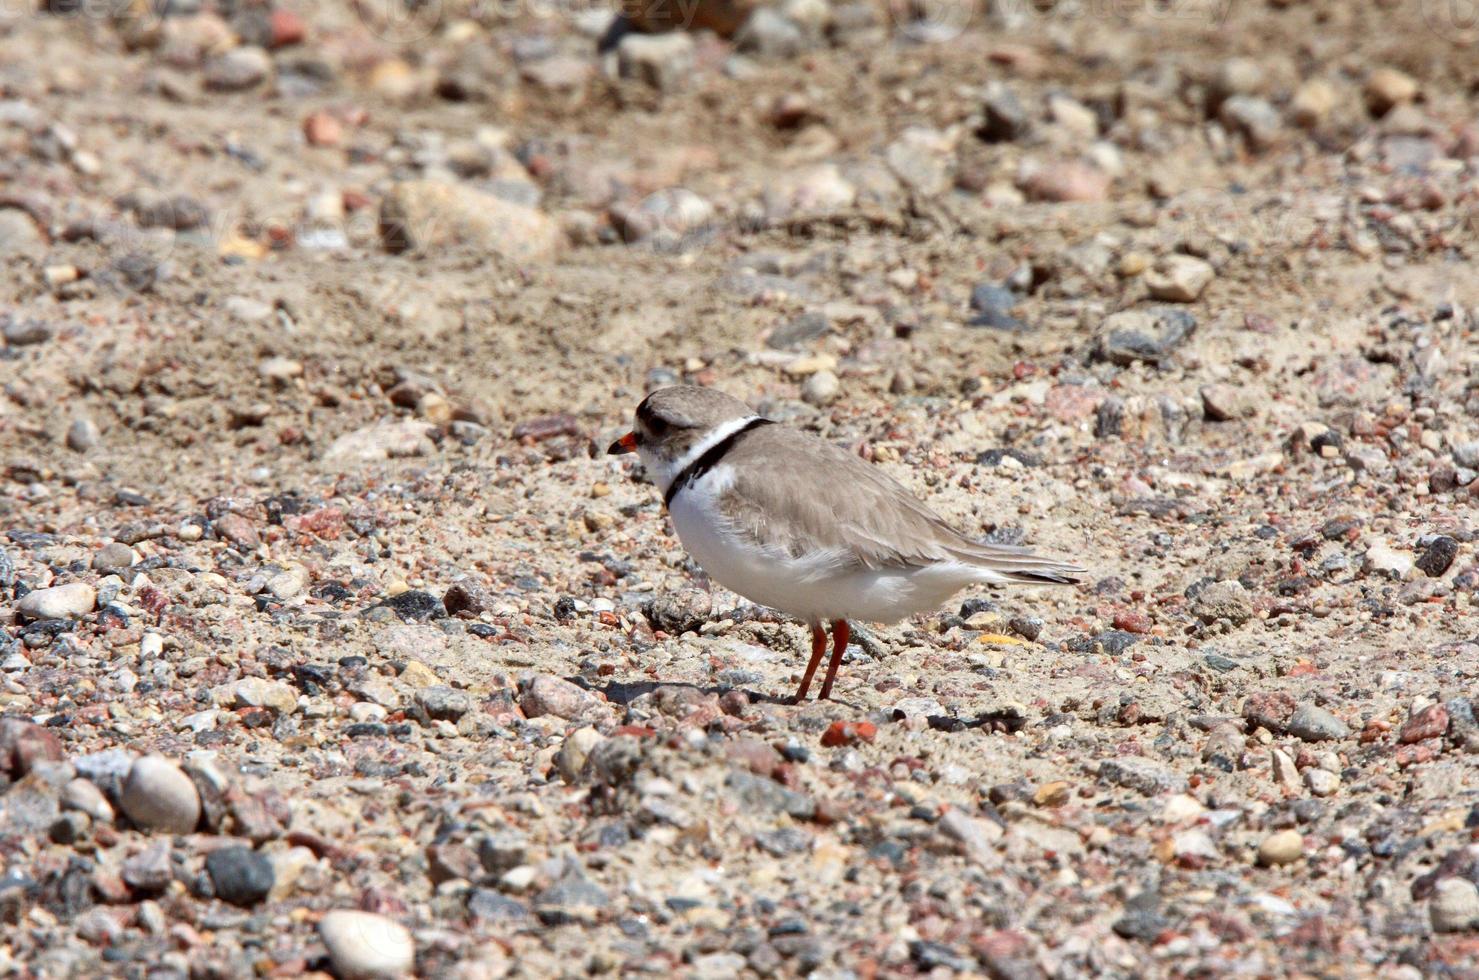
792, 522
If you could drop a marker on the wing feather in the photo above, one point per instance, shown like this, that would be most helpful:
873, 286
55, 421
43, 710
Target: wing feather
875, 522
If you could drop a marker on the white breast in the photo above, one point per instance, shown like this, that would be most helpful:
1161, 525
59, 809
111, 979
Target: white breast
818, 587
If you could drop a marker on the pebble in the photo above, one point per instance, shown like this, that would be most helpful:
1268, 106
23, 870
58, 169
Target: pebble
663, 61
238, 69
83, 435
157, 795
443, 702
1438, 556
1225, 601
1387, 88
1141, 775
366, 946
1179, 278
1312, 723
768, 33
548, 695
1384, 560
1321, 782
84, 796
1428, 722
425, 215
1284, 847
387, 440
1454, 906
71, 601
1064, 181
114, 559
1254, 118
574, 752
257, 692
795, 333
1143, 335
242, 876
26, 333
19, 234
821, 389
1225, 402
1313, 102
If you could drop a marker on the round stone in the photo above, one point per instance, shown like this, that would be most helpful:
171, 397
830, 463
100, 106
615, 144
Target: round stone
157, 795
241, 875
1285, 847
1454, 906
363, 945
69, 601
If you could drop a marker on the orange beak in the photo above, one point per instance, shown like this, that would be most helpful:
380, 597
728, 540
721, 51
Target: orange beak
626, 444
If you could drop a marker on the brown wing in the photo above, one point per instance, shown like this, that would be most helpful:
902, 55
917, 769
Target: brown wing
869, 519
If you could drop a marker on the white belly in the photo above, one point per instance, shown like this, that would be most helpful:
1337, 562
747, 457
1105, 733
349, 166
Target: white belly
816, 588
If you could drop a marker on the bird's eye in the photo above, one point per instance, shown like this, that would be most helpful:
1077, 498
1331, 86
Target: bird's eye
657, 426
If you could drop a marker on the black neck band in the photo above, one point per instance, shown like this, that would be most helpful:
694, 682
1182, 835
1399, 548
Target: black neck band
710, 459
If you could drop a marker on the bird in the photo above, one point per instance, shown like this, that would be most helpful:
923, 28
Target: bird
791, 521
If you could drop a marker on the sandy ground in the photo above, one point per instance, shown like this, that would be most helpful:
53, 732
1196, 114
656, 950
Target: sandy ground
317, 321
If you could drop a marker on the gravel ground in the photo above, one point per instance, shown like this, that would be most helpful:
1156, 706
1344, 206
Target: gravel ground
332, 643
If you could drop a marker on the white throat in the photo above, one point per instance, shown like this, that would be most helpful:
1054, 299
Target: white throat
664, 472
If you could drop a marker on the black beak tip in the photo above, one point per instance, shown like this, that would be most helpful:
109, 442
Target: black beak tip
616, 449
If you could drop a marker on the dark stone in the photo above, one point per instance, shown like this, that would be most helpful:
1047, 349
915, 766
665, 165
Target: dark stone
468, 597
1162, 330
444, 703
489, 906
993, 305
783, 842
766, 795
1109, 418
241, 875
1110, 642
1006, 119
1142, 919
414, 606
930, 955
1438, 556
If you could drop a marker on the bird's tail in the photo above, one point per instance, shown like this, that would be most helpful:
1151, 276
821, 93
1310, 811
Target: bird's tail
1003, 564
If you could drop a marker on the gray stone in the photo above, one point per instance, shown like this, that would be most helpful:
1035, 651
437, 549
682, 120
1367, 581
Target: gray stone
1257, 121
1314, 724
574, 898
663, 61
241, 875
1454, 906
150, 869
770, 34
1143, 335
24, 333
1141, 775
1223, 601
798, 331
114, 559
157, 795
768, 796
238, 69
443, 702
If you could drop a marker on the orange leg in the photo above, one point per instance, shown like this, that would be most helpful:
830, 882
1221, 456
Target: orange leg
818, 647
839, 644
